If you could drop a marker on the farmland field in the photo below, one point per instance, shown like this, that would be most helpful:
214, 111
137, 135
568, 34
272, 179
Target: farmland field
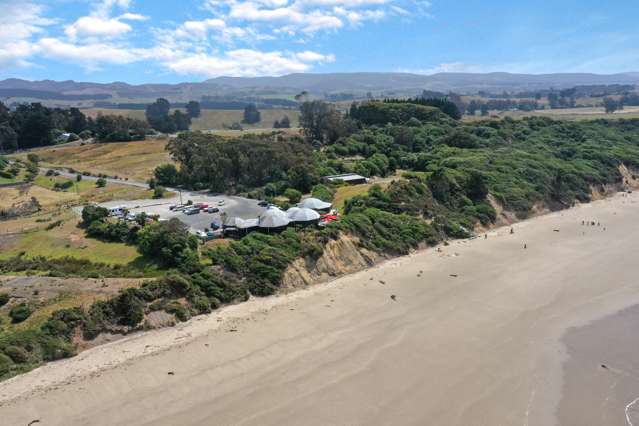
134, 160
571, 114
212, 119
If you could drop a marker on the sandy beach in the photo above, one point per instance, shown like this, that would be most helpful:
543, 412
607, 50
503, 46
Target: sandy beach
483, 332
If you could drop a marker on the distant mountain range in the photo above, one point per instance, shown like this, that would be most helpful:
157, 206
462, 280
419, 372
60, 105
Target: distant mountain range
318, 85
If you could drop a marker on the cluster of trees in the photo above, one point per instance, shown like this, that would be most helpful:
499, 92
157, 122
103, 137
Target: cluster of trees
284, 123
611, 105
34, 125
450, 107
159, 117
322, 123
500, 105
116, 128
375, 113
252, 161
251, 114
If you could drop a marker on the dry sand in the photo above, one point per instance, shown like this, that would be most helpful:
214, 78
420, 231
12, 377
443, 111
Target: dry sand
486, 346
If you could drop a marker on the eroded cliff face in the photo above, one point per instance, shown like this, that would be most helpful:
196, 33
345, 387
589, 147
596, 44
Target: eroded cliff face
346, 256
630, 177
341, 257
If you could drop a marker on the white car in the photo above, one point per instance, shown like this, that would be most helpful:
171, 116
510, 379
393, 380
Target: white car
221, 202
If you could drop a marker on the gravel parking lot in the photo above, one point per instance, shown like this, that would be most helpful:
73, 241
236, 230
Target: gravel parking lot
231, 205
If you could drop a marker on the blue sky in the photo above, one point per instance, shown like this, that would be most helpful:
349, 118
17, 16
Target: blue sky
141, 41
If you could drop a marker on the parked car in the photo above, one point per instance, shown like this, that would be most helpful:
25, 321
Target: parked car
212, 210
263, 203
173, 206
215, 225
221, 202
192, 211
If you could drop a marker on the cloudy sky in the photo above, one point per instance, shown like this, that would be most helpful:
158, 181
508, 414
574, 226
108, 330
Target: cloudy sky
190, 40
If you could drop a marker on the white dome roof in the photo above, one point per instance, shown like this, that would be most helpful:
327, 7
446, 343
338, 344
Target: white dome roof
297, 214
273, 218
315, 204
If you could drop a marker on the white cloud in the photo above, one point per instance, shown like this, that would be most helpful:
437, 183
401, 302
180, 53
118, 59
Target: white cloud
91, 55
132, 17
309, 56
19, 24
104, 7
312, 16
226, 42
245, 63
95, 26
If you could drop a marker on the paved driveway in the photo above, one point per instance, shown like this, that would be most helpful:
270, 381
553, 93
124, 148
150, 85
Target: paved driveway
232, 206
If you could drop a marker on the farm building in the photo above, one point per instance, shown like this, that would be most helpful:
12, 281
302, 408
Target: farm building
349, 178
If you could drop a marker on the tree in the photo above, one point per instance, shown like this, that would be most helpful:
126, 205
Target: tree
293, 195
157, 114
446, 105
181, 120
610, 105
33, 124
4, 299
323, 192
193, 109
322, 123
8, 138
168, 242
251, 114
20, 313
476, 187
158, 192
101, 183
472, 107
166, 174
92, 214
77, 121
111, 128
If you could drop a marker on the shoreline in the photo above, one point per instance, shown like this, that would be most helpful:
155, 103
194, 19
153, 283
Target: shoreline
602, 359
541, 389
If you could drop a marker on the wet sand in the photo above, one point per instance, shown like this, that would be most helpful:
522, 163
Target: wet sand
601, 376
479, 337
